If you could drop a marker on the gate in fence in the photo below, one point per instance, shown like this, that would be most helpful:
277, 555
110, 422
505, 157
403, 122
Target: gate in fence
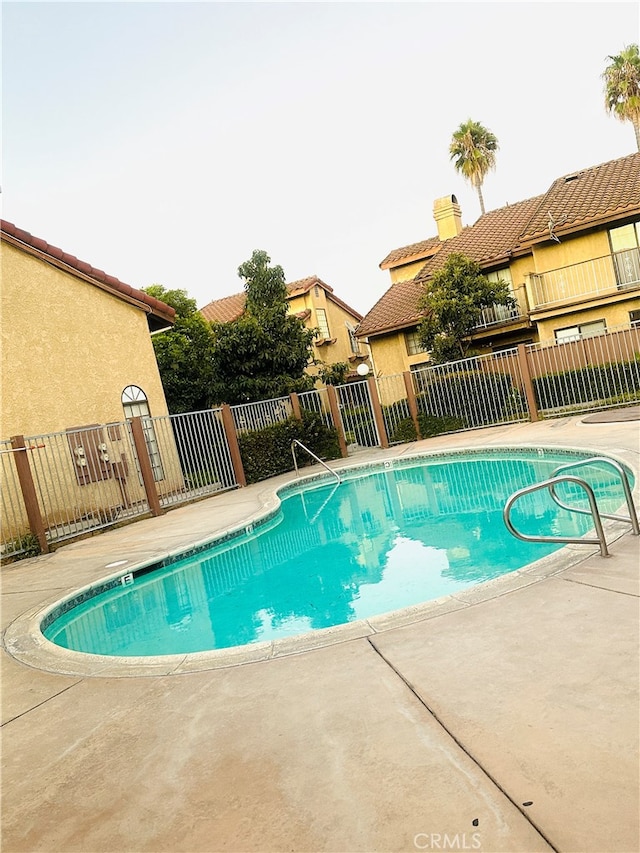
356, 413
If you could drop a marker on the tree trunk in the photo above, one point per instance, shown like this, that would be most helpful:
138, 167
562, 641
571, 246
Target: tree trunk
482, 200
636, 127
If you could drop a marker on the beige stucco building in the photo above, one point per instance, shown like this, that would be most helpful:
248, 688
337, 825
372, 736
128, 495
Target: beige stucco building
315, 303
571, 257
77, 362
73, 339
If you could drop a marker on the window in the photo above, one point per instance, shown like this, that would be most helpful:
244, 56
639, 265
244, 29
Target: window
353, 341
584, 330
500, 275
135, 404
413, 343
323, 326
625, 243
634, 319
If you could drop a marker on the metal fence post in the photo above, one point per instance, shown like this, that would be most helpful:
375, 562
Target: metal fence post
146, 471
411, 402
232, 441
31, 505
337, 421
295, 405
525, 372
377, 411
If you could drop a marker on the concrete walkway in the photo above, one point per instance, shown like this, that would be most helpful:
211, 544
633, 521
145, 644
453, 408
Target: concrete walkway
503, 719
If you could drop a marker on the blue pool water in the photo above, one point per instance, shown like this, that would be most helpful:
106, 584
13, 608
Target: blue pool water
384, 539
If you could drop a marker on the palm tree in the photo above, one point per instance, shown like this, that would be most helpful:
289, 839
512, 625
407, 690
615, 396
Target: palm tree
473, 148
622, 87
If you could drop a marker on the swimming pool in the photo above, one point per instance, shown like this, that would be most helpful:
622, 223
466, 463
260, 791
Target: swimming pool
390, 536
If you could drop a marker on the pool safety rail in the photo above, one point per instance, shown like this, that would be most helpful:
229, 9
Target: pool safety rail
298, 443
558, 477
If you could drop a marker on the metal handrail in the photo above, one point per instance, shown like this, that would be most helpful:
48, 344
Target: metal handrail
311, 453
633, 518
549, 484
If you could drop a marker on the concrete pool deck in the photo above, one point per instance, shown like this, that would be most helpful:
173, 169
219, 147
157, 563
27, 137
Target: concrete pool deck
507, 721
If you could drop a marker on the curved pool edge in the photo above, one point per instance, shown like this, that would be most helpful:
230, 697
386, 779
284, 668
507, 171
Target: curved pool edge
24, 640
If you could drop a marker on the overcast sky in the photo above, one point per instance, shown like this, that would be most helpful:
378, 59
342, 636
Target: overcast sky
164, 142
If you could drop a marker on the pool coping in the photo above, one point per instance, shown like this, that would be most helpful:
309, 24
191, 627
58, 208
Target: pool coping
25, 641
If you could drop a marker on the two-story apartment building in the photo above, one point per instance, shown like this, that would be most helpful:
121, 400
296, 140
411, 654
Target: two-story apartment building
571, 257
315, 303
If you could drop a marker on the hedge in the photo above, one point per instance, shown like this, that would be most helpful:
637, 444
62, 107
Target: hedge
429, 425
587, 384
267, 452
457, 395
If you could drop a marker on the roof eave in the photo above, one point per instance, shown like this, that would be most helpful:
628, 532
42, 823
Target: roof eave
163, 319
387, 330
581, 225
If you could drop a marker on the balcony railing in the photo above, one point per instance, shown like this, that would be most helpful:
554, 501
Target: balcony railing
497, 315
590, 278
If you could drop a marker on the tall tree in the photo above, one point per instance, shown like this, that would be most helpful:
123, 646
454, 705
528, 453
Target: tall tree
264, 352
452, 302
622, 87
184, 353
473, 150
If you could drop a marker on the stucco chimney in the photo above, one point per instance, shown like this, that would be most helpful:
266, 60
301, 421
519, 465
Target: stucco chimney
448, 216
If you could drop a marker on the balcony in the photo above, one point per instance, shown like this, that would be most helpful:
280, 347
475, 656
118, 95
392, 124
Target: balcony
500, 315
600, 276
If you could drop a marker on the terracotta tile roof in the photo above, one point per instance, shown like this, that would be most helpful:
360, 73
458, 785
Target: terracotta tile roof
490, 240
303, 285
492, 237
159, 314
396, 309
412, 252
588, 197
224, 310
231, 307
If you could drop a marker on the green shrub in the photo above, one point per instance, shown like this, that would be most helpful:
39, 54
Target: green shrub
22, 547
202, 478
404, 431
267, 452
429, 425
395, 414
587, 384
359, 425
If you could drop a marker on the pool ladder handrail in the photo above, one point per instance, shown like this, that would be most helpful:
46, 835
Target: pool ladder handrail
549, 484
311, 453
626, 488
593, 505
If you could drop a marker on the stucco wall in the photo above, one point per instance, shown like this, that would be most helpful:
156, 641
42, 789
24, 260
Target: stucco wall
404, 273
334, 353
68, 350
613, 313
570, 250
389, 354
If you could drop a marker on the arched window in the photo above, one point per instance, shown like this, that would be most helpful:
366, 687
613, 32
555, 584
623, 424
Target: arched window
135, 404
